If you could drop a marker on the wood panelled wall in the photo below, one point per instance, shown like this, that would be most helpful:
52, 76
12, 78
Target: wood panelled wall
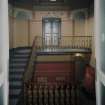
22, 32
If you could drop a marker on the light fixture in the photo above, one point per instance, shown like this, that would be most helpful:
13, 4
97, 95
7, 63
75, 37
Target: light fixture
53, 0
79, 55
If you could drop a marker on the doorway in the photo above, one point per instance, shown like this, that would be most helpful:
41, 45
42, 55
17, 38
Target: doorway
51, 31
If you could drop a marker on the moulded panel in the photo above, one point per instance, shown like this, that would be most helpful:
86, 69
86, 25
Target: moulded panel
21, 33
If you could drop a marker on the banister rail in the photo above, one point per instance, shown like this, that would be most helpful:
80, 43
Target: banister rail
29, 69
28, 75
64, 42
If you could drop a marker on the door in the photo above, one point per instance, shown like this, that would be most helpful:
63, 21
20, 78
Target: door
51, 31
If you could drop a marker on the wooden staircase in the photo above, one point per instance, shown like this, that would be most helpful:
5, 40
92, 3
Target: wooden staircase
52, 82
49, 77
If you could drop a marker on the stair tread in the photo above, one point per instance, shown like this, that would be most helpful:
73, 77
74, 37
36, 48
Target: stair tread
16, 76
13, 101
15, 87
15, 79
18, 67
17, 64
19, 53
19, 61
14, 91
23, 51
16, 72
16, 83
20, 57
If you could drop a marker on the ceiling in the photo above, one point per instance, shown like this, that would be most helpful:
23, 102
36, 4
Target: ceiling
73, 4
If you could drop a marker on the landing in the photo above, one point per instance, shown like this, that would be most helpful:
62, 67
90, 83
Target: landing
63, 50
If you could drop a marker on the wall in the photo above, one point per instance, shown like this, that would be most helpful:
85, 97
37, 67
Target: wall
55, 73
90, 30
23, 31
100, 50
90, 25
36, 23
18, 32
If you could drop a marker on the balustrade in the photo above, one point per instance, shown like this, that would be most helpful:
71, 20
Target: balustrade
64, 42
50, 95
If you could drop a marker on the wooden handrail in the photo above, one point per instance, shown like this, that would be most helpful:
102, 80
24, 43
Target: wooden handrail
29, 74
70, 36
29, 69
76, 36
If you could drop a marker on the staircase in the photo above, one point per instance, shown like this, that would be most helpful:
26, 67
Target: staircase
17, 65
52, 81
50, 74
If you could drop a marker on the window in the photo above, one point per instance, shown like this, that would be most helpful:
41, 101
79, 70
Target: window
51, 31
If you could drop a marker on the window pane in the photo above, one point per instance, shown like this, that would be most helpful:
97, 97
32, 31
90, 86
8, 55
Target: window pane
55, 27
55, 39
47, 39
48, 27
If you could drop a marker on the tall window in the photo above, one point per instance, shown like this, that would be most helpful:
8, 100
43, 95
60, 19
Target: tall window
51, 31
